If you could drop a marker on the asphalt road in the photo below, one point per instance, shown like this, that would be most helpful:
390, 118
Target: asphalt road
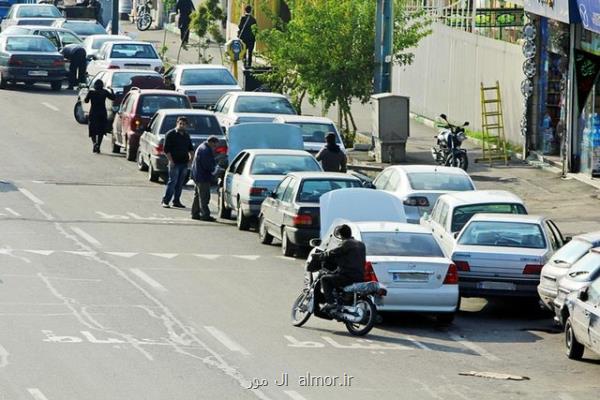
106, 295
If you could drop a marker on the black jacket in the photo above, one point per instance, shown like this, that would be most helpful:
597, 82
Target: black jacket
245, 28
184, 8
350, 256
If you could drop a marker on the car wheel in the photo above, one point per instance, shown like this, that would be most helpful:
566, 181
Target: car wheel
79, 114
56, 85
152, 175
445, 318
287, 248
223, 211
242, 221
142, 166
263, 234
131, 152
574, 348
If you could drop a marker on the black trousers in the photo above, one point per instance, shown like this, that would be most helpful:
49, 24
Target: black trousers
184, 31
97, 141
77, 71
249, 50
201, 200
330, 282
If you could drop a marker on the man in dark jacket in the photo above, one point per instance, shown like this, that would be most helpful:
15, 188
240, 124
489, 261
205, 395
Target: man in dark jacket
331, 156
246, 34
350, 258
179, 150
76, 55
185, 9
203, 168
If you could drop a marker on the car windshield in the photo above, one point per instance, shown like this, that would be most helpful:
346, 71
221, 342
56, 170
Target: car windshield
122, 79
84, 28
138, 50
206, 76
312, 189
38, 12
463, 214
401, 244
439, 181
315, 132
503, 234
264, 105
35, 44
282, 164
586, 268
570, 252
150, 104
198, 125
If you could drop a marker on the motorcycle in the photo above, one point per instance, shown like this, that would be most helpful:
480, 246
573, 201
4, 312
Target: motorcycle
355, 309
448, 150
143, 17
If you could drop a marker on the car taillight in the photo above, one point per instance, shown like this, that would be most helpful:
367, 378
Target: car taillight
58, 63
302, 219
112, 66
417, 201
370, 273
462, 266
136, 122
258, 191
221, 150
451, 276
158, 150
532, 269
159, 69
13, 62
192, 99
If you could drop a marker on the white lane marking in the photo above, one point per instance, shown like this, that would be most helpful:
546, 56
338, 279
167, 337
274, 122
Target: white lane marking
81, 253
86, 236
250, 258
41, 252
226, 340
30, 196
208, 256
164, 255
294, 395
416, 343
472, 346
3, 357
50, 106
13, 212
146, 278
121, 254
37, 394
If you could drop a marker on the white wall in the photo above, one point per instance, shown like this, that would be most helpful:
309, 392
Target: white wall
448, 68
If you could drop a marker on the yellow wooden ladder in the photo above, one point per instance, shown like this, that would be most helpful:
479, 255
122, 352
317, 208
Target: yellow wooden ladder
492, 120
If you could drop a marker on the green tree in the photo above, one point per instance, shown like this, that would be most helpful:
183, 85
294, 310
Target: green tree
206, 23
326, 51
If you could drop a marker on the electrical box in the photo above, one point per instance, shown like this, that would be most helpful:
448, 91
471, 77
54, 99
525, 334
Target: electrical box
391, 127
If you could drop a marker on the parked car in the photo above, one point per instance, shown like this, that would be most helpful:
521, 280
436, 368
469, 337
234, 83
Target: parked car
133, 116
58, 36
82, 27
93, 43
126, 54
452, 211
253, 174
314, 130
561, 261
242, 107
503, 254
291, 212
120, 81
201, 125
31, 14
204, 84
30, 59
581, 327
578, 277
419, 186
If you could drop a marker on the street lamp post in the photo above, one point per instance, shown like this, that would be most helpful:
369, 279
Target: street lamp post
384, 27
115, 18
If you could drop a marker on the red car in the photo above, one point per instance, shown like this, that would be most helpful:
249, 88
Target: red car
136, 110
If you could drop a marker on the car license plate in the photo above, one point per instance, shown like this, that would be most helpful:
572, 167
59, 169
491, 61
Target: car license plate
410, 277
38, 73
497, 285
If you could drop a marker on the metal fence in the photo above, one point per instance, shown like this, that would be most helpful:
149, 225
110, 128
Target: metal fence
457, 14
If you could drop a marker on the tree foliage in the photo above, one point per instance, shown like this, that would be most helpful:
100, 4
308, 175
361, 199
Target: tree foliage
206, 23
326, 51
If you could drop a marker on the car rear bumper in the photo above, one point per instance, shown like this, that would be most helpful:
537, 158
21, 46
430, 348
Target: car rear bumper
443, 299
301, 236
251, 208
159, 163
476, 287
547, 295
22, 74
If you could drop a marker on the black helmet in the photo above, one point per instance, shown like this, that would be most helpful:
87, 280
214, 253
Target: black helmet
342, 232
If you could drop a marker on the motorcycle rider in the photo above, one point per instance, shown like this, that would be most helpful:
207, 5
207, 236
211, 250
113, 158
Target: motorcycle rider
349, 257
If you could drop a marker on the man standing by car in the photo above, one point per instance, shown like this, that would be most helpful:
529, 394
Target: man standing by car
185, 9
179, 150
203, 168
76, 55
246, 34
331, 156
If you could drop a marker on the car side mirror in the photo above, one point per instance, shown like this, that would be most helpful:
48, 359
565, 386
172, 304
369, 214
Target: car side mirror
455, 235
443, 116
368, 185
91, 57
273, 195
314, 242
210, 107
583, 294
466, 123
426, 216
568, 239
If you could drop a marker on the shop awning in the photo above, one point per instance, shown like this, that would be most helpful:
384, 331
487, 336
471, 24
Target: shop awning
590, 14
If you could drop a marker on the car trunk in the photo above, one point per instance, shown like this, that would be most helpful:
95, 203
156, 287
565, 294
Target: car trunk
311, 209
410, 272
493, 261
32, 60
207, 94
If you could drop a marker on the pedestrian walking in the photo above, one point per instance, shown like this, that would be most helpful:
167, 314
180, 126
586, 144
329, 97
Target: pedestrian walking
97, 118
331, 156
203, 168
179, 150
184, 8
246, 34
76, 55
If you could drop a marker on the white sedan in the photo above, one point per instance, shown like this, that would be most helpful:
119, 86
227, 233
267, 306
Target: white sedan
126, 55
93, 43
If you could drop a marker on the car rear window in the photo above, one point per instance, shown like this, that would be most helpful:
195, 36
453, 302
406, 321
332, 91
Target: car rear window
439, 181
35, 44
312, 189
282, 164
571, 252
122, 79
84, 28
199, 125
315, 132
503, 234
463, 214
403, 244
97, 43
264, 105
137, 50
206, 76
38, 12
150, 104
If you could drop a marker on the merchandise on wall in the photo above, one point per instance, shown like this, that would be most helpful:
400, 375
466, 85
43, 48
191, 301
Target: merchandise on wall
587, 71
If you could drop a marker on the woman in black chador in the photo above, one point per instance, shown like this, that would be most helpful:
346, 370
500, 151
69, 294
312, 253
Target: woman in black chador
97, 120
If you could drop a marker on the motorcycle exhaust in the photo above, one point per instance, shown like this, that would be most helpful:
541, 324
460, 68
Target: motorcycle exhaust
352, 314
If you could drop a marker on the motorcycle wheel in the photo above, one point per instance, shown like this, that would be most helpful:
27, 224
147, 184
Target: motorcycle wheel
460, 161
144, 21
365, 326
299, 312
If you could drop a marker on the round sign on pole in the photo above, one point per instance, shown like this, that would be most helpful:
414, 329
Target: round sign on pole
236, 49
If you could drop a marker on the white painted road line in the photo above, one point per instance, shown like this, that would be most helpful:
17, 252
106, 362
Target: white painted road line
226, 340
3, 357
121, 254
146, 278
249, 258
472, 346
41, 252
50, 106
294, 395
37, 394
31, 197
164, 255
86, 236
13, 212
208, 256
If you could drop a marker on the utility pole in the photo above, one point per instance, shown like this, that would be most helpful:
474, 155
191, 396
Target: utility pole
115, 18
384, 28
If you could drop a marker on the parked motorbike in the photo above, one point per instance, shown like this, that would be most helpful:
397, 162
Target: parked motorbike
144, 17
448, 150
356, 308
